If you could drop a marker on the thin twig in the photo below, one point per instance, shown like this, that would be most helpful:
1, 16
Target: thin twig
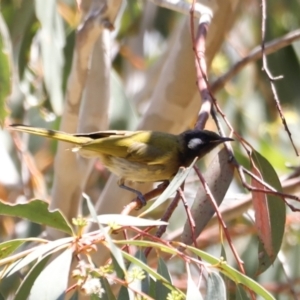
271, 77
255, 55
189, 216
287, 272
241, 170
270, 190
221, 221
162, 229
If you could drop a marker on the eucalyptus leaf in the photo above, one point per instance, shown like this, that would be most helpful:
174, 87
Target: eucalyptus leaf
125, 220
276, 213
53, 280
37, 211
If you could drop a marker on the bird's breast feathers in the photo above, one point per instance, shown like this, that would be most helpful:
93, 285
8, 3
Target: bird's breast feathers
137, 171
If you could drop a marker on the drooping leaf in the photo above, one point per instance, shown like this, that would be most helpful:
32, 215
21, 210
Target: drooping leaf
123, 294
276, 210
37, 211
114, 250
24, 289
1, 296
240, 293
155, 275
53, 280
218, 176
233, 274
92, 210
152, 288
192, 290
140, 284
145, 282
108, 293
36, 253
162, 270
215, 287
7, 248
219, 264
75, 296
262, 216
171, 189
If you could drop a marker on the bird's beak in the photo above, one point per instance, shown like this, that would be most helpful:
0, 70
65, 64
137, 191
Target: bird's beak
226, 139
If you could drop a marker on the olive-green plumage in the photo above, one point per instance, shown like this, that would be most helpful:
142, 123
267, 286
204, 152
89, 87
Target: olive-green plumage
140, 156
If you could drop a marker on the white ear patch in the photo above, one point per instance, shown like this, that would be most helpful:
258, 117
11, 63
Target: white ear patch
194, 143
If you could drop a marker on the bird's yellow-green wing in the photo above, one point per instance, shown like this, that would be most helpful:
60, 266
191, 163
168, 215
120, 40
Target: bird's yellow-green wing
52, 134
110, 142
137, 146
140, 146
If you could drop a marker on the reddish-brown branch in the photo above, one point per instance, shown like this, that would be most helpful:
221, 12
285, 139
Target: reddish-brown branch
167, 215
199, 43
221, 221
189, 216
135, 204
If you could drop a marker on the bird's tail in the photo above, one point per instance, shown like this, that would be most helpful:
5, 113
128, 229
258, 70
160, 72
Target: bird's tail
52, 134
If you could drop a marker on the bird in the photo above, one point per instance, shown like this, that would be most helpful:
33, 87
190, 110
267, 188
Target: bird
137, 156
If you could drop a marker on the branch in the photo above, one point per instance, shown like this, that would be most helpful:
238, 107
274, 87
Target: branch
184, 7
270, 76
255, 55
68, 180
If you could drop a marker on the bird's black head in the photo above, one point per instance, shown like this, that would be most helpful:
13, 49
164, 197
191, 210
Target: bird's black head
199, 143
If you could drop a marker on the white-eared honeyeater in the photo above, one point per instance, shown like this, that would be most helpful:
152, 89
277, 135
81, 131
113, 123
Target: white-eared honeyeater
140, 156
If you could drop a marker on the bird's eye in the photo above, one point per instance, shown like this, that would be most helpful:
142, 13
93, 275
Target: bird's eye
194, 143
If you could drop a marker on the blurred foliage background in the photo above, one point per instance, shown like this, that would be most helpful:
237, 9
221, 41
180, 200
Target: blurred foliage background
39, 69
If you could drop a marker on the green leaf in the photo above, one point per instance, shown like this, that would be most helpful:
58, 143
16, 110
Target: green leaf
219, 264
218, 177
149, 270
215, 287
75, 296
145, 243
171, 189
241, 293
160, 289
5, 69
108, 294
119, 271
145, 282
277, 212
53, 280
192, 290
123, 294
92, 209
37, 211
152, 288
9, 247
115, 251
232, 274
24, 289
162, 269
125, 220
36, 253
139, 284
